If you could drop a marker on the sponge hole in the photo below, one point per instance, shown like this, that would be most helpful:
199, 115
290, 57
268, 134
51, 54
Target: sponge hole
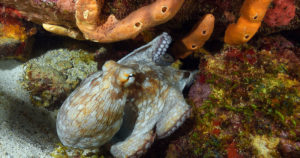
164, 9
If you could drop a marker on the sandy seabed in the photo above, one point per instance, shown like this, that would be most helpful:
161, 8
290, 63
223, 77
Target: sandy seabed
25, 131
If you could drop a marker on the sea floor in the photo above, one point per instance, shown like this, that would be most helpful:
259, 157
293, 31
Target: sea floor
25, 131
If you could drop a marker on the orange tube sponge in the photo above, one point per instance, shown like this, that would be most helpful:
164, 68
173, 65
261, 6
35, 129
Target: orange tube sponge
196, 38
241, 32
252, 13
88, 12
255, 10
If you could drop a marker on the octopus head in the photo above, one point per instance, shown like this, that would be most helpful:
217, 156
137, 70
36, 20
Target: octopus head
124, 75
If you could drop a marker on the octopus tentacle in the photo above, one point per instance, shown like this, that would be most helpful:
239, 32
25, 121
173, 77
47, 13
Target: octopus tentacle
134, 146
149, 112
153, 52
176, 111
87, 19
177, 125
160, 57
145, 147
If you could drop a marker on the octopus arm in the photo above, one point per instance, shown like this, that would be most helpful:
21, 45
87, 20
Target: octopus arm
133, 146
175, 112
179, 78
142, 135
154, 51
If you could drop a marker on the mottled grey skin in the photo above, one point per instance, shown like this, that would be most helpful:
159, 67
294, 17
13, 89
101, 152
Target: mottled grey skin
151, 105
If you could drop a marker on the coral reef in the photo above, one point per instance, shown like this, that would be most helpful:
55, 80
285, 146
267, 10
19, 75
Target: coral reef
65, 152
199, 92
135, 92
252, 107
264, 146
15, 41
244, 101
65, 17
13, 29
252, 13
111, 17
53, 76
11, 48
46, 11
281, 14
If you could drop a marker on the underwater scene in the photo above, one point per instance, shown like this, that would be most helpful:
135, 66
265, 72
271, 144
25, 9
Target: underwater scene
149, 78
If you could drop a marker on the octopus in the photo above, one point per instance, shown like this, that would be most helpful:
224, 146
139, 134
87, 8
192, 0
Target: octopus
128, 104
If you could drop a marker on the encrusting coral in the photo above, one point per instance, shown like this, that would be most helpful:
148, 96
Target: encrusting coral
15, 41
281, 14
56, 12
265, 147
196, 38
252, 13
245, 103
53, 76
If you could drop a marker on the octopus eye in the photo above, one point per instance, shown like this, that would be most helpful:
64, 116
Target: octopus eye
126, 77
130, 75
130, 80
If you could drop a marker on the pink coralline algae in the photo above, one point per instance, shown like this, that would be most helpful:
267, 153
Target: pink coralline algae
281, 14
199, 91
276, 43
